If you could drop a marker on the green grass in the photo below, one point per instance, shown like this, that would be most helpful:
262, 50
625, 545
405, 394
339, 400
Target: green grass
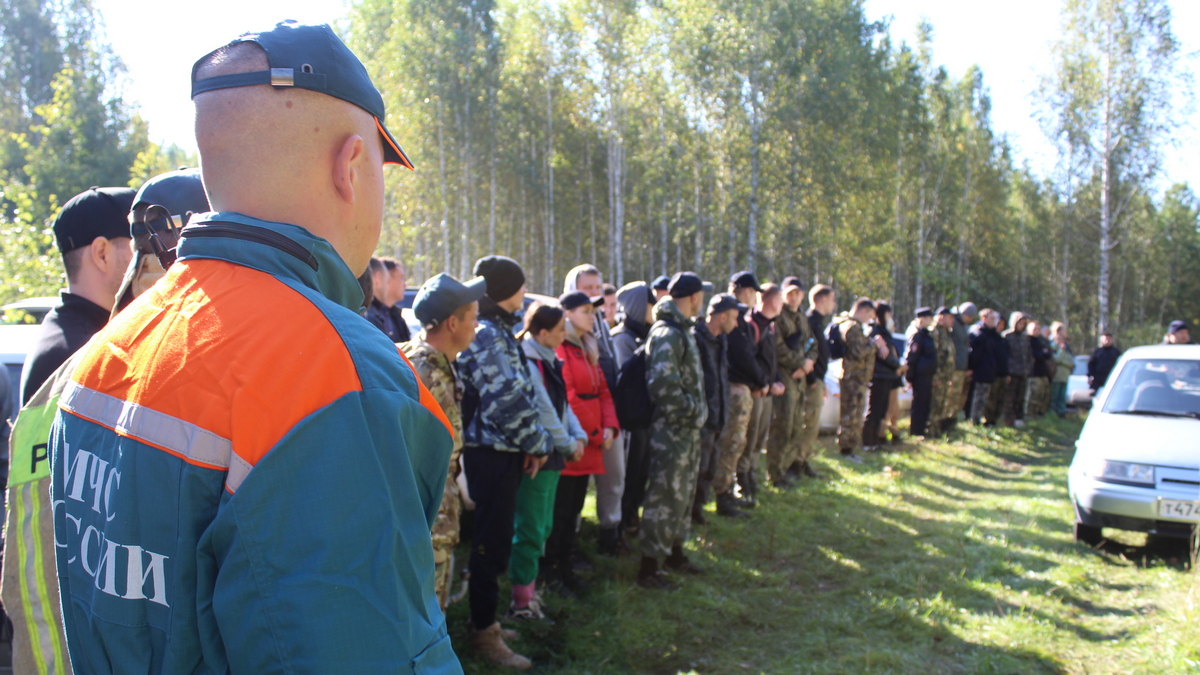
954, 557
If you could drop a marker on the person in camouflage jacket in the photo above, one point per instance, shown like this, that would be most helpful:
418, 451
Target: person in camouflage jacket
503, 439
858, 364
447, 310
795, 354
675, 380
947, 386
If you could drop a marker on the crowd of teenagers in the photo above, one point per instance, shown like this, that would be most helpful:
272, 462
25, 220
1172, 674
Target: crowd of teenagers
219, 465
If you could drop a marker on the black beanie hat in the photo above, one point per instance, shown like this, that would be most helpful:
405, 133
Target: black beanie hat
504, 276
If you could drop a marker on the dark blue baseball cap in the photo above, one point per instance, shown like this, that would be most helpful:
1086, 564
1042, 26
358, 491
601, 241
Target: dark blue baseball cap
661, 283
313, 58
178, 192
95, 212
684, 284
723, 302
439, 297
745, 279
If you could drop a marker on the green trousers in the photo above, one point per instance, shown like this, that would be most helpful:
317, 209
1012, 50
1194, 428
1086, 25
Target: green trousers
532, 525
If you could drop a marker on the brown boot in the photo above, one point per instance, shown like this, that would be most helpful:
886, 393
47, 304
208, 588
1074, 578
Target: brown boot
489, 644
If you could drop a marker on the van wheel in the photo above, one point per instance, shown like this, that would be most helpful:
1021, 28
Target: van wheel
1088, 534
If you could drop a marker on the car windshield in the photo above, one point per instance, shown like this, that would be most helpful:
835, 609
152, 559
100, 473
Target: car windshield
1169, 387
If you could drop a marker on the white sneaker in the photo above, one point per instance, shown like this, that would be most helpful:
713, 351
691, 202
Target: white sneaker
1020, 424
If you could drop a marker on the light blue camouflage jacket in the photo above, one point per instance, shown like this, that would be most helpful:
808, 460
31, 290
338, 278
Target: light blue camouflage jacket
507, 417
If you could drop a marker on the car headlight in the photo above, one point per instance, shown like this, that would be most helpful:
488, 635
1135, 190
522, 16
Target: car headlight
1122, 472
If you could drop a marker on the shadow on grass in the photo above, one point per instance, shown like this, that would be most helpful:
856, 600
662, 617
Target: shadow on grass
823, 579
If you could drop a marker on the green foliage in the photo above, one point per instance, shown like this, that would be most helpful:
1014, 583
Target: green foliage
63, 128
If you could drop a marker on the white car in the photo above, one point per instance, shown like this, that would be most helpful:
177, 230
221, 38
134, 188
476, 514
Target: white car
1136, 465
1079, 394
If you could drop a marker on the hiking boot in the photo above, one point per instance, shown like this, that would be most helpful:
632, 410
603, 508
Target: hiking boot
649, 576
678, 562
727, 506
796, 469
489, 644
698, 513
783, 483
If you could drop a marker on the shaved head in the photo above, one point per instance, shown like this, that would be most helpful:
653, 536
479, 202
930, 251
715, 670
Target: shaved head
290, 155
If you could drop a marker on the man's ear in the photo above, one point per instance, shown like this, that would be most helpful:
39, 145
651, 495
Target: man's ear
101, 252
345, 167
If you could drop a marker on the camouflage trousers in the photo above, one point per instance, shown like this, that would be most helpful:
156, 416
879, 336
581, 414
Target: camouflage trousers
980, 393
732, 441
787, 425
947, 395
445, 538
993, 407
854, 406
756, 436
1014, 399
1038, 403
814, 401
666, 509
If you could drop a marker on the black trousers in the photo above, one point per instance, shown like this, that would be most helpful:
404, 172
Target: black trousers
637, 473
922, 405
877, 408
493, 478
568, 504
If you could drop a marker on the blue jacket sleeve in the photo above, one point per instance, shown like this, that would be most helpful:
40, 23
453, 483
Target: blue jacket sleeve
322, 562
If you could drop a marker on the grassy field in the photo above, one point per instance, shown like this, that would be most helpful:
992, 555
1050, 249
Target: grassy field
956, 557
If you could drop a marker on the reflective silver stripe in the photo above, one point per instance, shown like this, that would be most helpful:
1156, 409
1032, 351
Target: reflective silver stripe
151, 426
238, 470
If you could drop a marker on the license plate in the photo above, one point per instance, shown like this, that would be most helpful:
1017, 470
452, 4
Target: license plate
1175, 508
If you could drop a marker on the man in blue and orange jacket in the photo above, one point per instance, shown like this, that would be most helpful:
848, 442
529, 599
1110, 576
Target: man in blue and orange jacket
244, 471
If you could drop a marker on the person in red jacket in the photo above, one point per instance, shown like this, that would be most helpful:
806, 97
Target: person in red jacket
591, 401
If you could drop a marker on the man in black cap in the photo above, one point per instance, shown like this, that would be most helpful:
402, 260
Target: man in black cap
748, 384
659, 286
249, 396
447, 310
676, 386
922, 359
502, 438
946, 388
795, 353
92, 233
1177, 334
1102, 361
723, 311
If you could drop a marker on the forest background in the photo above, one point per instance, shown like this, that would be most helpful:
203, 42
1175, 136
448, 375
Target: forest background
653, 136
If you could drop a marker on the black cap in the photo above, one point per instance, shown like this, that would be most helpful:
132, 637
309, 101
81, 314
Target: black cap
504, 276
792, 282
723, 302
661, 283
573, 299
95, 212
923, 312
1176, 326
745, 279
179, 192
943, 310
313, 58
684, 284
442, 295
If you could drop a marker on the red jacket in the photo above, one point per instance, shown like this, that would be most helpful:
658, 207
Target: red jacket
588, 394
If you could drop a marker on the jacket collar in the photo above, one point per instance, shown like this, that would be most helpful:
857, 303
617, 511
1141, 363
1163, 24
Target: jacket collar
279, 249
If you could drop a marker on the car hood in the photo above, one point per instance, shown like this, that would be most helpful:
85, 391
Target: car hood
1163, 441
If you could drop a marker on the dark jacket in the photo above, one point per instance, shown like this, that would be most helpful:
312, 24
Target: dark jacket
65, 329
989, 356
390, 320
1100, 365
744, 367
921, 354
886, 368
816, 323
627, 337
1020, 356
764, 329
962, 343
1039, 349
716, 374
